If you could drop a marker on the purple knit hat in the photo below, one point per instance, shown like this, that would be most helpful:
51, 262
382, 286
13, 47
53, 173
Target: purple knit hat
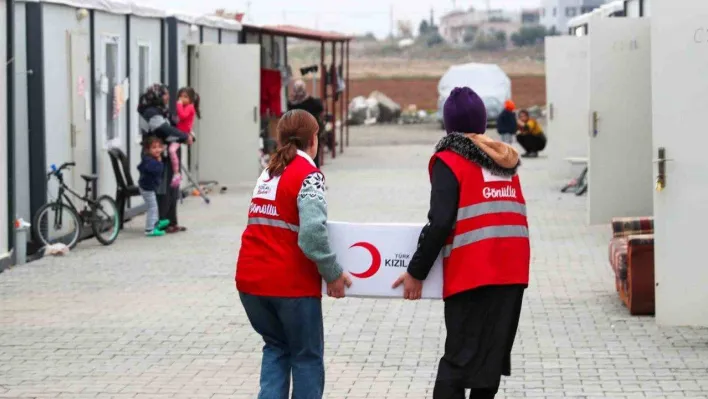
464, 112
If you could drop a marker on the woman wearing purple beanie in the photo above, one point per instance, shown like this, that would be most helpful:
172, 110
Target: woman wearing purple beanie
477, 219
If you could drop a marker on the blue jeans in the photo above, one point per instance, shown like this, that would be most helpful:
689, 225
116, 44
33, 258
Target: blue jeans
294, 343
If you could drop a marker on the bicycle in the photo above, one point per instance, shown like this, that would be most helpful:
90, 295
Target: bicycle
61, 214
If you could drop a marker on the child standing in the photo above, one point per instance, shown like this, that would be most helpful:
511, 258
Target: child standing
187, 109
506, 123
151, 169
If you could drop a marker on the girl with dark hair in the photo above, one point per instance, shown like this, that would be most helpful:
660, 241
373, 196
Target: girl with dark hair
187, 110
151, 168
156, 120
284, 256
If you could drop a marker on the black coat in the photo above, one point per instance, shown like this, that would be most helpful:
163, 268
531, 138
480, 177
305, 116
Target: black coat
158, 122
481, 323
506, 122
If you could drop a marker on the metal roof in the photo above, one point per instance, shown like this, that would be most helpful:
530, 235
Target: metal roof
142, 9
297, 32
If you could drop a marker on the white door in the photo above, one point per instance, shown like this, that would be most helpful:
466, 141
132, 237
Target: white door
567, 90
620, 175
679, 59
229, 87
80, 130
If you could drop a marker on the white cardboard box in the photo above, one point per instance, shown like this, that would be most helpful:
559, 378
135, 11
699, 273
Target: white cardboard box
376, 255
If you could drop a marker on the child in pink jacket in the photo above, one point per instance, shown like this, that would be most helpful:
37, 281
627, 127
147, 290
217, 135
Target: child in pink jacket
187, 110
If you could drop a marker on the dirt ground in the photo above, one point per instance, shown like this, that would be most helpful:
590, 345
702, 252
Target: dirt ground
526, 90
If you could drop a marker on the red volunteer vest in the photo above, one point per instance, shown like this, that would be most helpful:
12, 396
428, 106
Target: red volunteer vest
490, 242
270, 262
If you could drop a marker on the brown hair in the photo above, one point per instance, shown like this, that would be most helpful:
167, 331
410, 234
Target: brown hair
148, 141
296, 131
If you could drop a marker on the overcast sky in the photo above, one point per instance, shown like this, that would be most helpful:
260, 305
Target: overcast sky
346, 16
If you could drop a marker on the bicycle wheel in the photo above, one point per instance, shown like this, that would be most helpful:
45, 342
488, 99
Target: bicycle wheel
105, 221
57, 223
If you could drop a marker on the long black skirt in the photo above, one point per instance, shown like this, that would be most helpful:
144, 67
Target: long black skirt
481, 327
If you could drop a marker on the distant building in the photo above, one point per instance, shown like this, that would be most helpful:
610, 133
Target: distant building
555, 14
455, 25
531, 16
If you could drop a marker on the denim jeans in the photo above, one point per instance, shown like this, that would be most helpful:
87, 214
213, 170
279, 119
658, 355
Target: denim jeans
294, 343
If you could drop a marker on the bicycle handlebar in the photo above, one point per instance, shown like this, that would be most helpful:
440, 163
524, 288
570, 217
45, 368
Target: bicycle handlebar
57, 171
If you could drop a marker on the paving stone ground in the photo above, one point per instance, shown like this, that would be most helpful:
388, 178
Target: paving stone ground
159, 318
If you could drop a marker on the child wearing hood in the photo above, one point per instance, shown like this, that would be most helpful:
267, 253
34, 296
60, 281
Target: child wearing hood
506, 123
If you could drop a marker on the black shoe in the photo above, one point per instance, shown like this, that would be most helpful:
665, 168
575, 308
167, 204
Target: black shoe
526, 155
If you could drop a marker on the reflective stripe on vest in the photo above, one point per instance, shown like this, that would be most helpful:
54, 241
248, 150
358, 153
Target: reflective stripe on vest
273, 223
487, 208
484, 233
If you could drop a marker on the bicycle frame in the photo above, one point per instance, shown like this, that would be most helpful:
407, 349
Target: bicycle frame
62, 196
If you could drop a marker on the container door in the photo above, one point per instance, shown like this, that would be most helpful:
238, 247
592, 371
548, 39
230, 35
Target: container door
567, 90
679, 59
620, 178
229, 87
80, 129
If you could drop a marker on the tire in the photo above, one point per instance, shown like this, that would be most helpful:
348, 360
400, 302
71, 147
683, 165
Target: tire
105, 222
68, 231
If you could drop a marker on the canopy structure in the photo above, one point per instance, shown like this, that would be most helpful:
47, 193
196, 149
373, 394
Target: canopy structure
334, 105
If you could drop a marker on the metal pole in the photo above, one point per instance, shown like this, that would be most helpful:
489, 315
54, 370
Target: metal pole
343, 103
333, 86
323, 90
12, 241
348, 85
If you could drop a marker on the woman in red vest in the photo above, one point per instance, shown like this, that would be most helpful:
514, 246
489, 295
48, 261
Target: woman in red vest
477, 220
284, 256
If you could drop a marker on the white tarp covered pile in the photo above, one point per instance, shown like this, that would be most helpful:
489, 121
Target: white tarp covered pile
489, 81
363, 111
377, 108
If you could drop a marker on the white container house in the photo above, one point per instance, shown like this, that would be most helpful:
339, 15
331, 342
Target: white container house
599, 91
638, 8
578, 26
80, 67
186, 33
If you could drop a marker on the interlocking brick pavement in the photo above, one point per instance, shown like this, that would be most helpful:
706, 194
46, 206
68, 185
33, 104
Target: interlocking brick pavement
159, 318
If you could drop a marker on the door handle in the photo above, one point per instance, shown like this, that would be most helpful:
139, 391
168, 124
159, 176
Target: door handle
255, 113
661, 174
550, 111
595, 120
73, 136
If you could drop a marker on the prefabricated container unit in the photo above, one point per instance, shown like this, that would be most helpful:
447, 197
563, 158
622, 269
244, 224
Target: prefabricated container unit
184, 34
80, 66
579, 26
637, 8
4, 152
274, 55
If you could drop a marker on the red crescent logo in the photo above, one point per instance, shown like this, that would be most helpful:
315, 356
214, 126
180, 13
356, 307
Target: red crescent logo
375, 260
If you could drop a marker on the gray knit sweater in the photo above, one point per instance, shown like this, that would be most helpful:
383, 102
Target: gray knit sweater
312, 237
